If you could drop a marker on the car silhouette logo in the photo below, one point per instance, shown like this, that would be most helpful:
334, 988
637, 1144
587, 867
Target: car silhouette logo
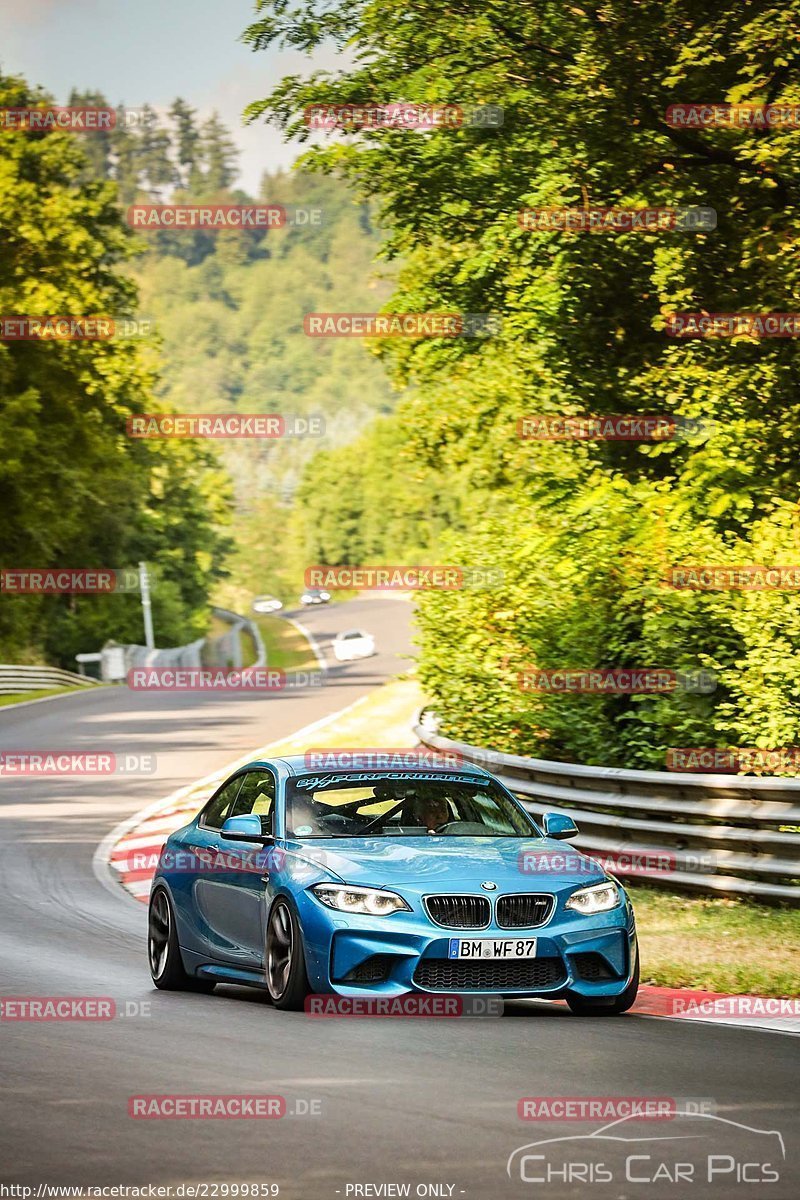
615, 1130
488, 886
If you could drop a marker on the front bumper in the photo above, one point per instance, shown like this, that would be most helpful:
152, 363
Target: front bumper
353, 955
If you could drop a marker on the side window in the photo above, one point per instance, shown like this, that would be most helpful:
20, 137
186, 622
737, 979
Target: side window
221, 806
256, 797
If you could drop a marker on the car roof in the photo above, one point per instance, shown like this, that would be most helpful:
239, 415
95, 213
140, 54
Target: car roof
296, 764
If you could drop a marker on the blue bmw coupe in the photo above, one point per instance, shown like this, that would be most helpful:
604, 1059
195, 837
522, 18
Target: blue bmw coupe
384, 883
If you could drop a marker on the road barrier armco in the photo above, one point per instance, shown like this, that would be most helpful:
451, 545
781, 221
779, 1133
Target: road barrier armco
721, 834
223, 651
14, 679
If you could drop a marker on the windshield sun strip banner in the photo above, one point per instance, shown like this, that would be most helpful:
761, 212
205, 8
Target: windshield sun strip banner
314, 782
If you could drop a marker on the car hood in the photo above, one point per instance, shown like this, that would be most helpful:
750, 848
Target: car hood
449, 863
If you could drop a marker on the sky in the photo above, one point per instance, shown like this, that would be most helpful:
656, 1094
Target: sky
150, 51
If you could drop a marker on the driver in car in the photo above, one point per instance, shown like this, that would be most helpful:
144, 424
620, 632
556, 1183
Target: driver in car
430, 810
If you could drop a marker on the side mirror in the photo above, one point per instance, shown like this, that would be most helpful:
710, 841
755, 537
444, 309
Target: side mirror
559, 826
245, 829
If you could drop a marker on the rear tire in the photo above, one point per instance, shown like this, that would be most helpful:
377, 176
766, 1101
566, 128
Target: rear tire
286, 975
166, 965
582, 1007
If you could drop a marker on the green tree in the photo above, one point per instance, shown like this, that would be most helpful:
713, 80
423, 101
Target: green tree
77, 492
584, 93
219, 156
187, 143
156, 148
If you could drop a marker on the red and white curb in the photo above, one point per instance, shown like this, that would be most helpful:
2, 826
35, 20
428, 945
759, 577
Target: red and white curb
771, 1013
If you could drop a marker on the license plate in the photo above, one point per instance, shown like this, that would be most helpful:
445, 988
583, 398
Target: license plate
492, 948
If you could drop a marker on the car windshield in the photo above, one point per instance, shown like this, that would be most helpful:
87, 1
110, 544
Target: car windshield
368, 804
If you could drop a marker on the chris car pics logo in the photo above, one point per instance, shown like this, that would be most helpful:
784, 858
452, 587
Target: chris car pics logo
702, 1154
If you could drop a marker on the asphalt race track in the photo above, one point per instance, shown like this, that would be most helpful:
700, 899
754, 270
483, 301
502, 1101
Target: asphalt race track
396, 1101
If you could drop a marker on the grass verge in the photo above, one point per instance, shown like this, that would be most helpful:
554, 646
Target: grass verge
381, 719
39, 694
287, 648
717, 944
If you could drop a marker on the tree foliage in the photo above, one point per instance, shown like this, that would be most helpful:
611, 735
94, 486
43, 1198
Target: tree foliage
76, 491
582, 530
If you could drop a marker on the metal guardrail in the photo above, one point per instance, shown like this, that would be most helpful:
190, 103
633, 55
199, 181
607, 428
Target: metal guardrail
732, 834
222, 651
240, 624
15, 679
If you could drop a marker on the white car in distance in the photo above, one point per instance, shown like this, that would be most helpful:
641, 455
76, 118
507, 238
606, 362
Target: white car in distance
353, 643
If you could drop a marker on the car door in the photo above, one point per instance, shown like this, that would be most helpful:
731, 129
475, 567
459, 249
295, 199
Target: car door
230, 896
196, 849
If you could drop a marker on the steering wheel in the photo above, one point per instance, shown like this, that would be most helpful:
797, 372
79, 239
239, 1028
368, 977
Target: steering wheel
453, 826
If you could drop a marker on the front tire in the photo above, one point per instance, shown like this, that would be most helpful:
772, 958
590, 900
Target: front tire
287, 979
163, 952
608, 1008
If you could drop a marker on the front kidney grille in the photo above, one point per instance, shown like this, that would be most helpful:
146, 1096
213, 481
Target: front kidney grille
524, 911
491, 975
459, 912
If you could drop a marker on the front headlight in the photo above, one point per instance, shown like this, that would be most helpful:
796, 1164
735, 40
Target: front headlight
370, 901
596, 899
